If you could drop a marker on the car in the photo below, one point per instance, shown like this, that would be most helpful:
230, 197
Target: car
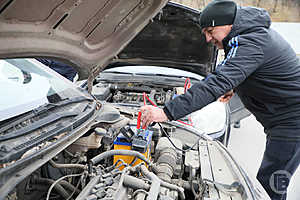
60, 140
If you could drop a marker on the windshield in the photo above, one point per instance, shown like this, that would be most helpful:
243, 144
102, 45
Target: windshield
26, 84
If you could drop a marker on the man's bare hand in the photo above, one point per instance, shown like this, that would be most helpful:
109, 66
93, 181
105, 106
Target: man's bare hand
226, 97
152, 114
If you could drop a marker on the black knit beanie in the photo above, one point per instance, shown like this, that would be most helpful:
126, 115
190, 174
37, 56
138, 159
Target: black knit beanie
218, 13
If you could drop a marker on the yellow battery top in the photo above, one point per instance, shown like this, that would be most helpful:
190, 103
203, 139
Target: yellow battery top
141, 142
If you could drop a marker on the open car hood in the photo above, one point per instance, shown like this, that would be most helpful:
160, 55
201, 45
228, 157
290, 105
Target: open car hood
172, 39
87, 34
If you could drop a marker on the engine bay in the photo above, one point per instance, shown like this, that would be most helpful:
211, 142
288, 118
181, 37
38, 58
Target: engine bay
117, 160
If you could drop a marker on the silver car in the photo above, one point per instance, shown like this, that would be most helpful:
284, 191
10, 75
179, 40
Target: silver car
60, 140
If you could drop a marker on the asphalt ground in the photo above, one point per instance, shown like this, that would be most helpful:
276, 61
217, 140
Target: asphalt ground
247, 145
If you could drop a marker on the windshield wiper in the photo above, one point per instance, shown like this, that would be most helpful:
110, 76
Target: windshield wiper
42, 109
10, 151
49, 106
36, 125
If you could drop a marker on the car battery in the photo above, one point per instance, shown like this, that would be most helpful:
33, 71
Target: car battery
139, 140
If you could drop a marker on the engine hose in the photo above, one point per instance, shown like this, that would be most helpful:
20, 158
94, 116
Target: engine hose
69, 186
180, 190
155, 186
135, 183
139, 194
152, 177
63, 183
181, 183
57, 165
107, 154
58, 188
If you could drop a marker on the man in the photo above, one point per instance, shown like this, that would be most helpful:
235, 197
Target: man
262, 68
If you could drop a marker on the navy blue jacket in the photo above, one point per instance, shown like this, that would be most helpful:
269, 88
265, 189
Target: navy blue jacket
261, 67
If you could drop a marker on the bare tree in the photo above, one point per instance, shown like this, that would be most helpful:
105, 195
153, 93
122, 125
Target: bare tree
275, 6
296, 2
258, 3
199, 5
284, 2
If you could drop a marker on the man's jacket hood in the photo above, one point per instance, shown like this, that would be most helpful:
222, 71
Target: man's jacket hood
247, 19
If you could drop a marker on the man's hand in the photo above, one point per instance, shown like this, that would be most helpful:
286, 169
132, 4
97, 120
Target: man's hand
152, 114
226, 97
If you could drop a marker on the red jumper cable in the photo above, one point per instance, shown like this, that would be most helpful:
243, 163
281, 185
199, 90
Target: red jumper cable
145, 96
